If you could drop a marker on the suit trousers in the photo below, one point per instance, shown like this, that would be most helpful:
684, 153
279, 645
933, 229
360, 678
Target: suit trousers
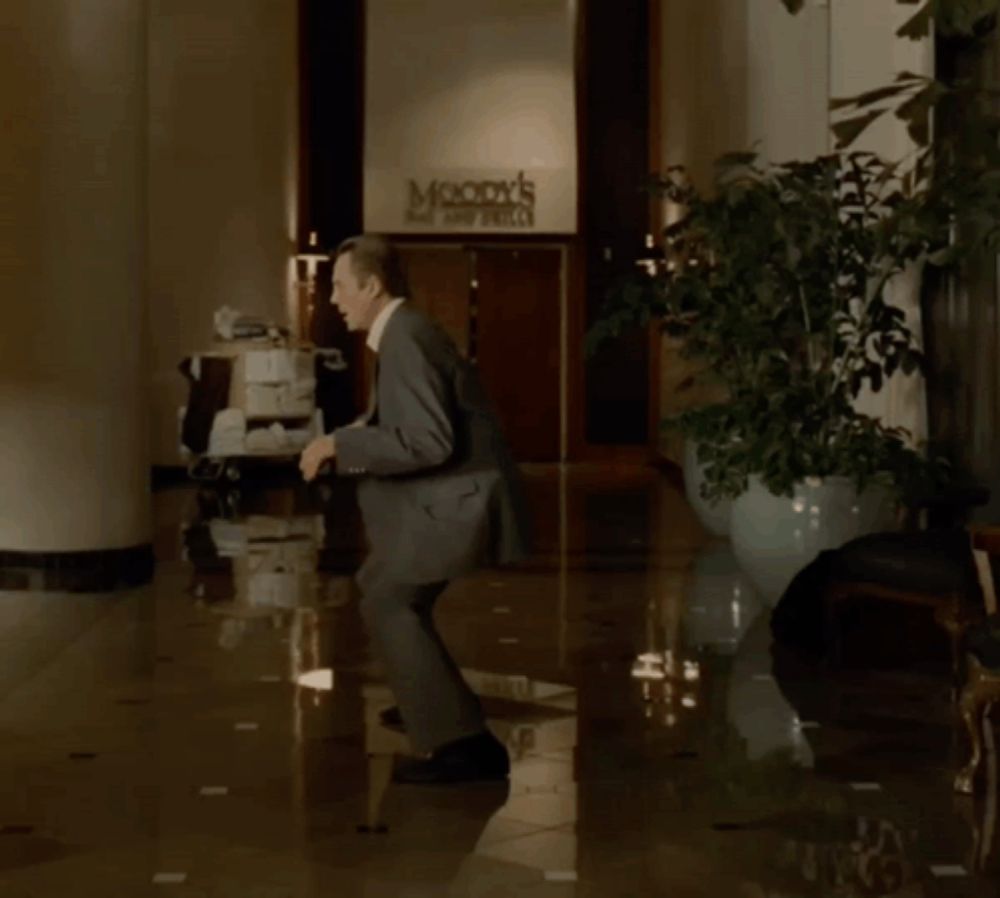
434, 700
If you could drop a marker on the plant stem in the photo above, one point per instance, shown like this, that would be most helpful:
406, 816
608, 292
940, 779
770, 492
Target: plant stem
810, 354
861, 343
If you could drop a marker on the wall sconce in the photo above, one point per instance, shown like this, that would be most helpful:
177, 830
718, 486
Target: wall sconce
653, 260
648, 666
312, 258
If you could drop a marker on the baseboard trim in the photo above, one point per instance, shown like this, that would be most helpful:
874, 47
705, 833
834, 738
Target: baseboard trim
100, 570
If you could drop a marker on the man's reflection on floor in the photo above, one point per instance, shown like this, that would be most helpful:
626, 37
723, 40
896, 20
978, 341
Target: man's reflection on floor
280, 565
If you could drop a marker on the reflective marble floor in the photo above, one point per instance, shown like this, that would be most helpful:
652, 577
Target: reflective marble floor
216, 733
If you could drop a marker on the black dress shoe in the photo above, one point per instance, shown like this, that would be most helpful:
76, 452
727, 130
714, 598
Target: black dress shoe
479, 758
392, 720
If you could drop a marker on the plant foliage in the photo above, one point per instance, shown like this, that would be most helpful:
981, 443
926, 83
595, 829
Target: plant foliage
777, 281
952, 120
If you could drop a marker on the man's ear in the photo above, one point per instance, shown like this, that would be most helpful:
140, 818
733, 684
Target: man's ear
373, 285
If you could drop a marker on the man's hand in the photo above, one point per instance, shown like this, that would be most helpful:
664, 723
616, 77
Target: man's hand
318, 451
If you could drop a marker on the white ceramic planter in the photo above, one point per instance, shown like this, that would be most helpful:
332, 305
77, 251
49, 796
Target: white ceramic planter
720, 603
713, 517
756, 707
774, 537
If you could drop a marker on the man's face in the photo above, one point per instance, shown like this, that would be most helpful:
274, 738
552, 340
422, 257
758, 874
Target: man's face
353, 299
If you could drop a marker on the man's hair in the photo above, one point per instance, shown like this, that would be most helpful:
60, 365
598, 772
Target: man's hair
372, 254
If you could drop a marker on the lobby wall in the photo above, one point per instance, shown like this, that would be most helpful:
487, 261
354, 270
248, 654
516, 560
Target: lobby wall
223, 153
469, 89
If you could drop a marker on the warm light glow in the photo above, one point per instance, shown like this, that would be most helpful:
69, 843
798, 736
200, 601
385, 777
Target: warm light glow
647, 673
648, 666
320, 680
313, 256
291, 296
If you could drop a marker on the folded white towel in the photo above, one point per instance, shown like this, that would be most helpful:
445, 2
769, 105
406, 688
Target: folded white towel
302, 389
271, 439
270, 590
230, 539
229, 421
275, 366
298, 438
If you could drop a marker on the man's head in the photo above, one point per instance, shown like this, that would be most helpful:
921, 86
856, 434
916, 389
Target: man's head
367, 273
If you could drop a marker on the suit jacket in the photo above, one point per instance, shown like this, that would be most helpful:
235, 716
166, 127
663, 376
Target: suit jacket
440, 494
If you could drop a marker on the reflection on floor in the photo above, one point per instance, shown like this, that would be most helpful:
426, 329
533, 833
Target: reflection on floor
216, 734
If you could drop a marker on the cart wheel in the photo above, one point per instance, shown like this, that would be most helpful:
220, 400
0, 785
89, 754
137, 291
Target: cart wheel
233, 472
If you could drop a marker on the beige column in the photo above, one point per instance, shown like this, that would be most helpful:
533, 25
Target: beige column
223, 179
704, 70
788, 81
74, 470
704, 74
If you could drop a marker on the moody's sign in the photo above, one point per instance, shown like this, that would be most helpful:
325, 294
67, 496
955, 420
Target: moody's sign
473, 203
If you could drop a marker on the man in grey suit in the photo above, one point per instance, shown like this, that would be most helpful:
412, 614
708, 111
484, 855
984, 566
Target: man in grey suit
440, 497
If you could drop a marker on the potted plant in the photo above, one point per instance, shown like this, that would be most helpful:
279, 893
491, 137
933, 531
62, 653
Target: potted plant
777, 281
953, 120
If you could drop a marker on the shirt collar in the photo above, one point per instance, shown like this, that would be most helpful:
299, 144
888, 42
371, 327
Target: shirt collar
381, 320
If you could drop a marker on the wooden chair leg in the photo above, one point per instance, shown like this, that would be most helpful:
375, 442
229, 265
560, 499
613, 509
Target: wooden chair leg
972, 714
975, 698
956, 632
950, 618
988, 828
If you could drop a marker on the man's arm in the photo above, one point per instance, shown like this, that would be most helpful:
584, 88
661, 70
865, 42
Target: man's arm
421, 437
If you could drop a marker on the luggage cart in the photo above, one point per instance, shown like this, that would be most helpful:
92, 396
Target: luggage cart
269, 385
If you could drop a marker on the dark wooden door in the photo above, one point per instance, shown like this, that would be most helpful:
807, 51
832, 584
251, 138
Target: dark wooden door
439, 283
439, 279
517, 330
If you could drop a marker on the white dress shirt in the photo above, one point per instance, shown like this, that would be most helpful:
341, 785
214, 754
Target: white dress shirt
374, 340
381, 320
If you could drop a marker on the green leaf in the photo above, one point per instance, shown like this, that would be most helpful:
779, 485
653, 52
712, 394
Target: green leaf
918, 26
916, 112
965, 17
868, 97
849, 130
910, 76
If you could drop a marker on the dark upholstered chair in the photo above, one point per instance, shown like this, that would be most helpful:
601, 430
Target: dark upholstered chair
950, 571
982, 652
932, 568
